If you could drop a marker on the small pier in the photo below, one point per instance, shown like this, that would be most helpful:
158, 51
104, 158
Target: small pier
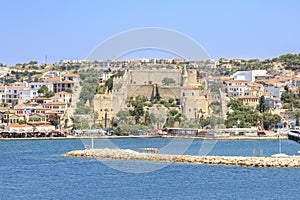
149, 150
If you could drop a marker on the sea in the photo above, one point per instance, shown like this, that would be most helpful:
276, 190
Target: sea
37, 169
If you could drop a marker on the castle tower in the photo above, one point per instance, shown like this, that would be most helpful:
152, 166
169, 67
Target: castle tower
184, 76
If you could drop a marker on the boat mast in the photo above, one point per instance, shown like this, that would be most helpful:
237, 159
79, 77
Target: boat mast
279, 144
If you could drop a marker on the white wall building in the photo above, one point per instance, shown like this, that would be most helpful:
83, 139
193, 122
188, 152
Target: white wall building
35, 86
104, 76
248, 75
15, 94
236, 88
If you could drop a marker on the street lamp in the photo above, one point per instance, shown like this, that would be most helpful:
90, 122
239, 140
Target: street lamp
238, 122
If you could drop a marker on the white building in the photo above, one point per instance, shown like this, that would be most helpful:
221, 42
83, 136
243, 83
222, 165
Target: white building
24, 84
46, 128
60, 107
73, 77
35, 86
15, 94
104, 76
18, 128
235, 88
51, 74
248, 75
65, 96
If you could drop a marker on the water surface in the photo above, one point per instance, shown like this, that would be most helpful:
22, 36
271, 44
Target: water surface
35, 170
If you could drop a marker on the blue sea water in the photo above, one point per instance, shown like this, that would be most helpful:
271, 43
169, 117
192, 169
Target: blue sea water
35, 169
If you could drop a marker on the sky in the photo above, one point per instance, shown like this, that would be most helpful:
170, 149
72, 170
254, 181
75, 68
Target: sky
68, 29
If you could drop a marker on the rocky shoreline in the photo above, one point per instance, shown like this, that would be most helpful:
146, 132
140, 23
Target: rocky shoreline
290, 161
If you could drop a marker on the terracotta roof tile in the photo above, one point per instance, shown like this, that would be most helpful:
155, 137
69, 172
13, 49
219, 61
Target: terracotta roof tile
248, 97
55, 78
18, 125
55, 103
71, 75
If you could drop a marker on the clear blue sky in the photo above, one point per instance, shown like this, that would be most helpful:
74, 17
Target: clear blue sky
68, 29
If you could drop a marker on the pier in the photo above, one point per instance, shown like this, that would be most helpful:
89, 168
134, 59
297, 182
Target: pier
147, 150
290, 161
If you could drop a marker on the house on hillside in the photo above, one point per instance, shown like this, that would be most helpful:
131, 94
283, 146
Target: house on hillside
248, 75
235, 88
249, 100
63, 86
65, 96
72, 77
60, 107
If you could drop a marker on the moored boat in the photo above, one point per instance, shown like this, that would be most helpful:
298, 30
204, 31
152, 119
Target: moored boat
294, 134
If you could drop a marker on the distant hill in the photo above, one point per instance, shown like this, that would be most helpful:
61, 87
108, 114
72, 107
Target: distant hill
274, 66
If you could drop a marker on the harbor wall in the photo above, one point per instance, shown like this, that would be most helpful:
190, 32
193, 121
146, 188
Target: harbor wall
290, 161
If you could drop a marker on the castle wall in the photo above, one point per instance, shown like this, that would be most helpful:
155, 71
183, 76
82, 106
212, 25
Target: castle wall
143, 83
103, 104
140, 77
140, 90
192, 76
192, 101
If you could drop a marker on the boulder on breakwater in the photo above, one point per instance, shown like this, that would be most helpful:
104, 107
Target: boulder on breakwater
290, 161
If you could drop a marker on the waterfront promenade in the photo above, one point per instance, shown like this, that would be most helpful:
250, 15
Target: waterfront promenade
283, 137
289, 161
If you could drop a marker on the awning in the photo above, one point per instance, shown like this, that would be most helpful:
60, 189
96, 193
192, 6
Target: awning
280, 124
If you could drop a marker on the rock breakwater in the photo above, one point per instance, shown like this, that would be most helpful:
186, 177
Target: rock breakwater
290, 161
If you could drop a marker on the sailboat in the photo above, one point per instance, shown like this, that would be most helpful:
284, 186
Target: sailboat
280, 154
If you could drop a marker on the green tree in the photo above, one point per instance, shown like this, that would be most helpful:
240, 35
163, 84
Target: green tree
68, 90
174, 116
168, 81
262, 106
147, 118
109, 84
270, 119
242, 113
43, 90
22, 121
49, 94
171, 100
157, 96
297, 115
54, 119
123, 116
137, 112
235, 104
289, 99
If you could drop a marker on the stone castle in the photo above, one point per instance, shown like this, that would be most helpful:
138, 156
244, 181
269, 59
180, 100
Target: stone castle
143, 82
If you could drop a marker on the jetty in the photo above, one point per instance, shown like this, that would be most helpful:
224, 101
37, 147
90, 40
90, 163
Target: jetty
126, 154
